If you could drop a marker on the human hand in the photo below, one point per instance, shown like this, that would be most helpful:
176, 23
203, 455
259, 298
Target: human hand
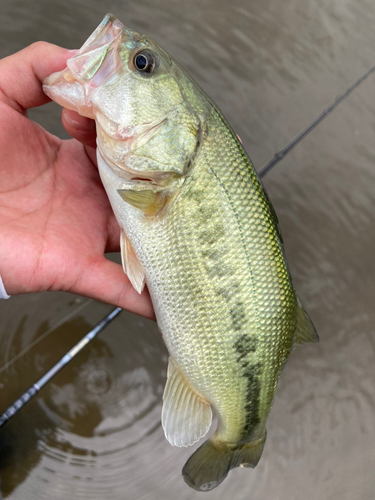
55, 218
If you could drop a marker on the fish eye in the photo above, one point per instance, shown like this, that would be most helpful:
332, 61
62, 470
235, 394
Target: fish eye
145, 61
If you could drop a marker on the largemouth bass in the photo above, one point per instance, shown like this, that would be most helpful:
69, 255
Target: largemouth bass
198, 228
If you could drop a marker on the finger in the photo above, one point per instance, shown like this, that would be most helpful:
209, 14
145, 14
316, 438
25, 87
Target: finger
105, 281
22, 74
81, 128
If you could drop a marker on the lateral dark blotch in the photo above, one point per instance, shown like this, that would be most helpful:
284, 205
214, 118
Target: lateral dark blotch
212, 254
197, 195
207, 211
224, 292
218, 270
251, 373
208, 236
212, 234
237, 312
244, 345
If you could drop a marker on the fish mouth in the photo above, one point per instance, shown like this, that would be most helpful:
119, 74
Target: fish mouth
71, 87
86, 62
75, 88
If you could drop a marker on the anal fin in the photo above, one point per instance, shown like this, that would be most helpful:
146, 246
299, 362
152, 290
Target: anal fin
186, 416
131, 265
305, 330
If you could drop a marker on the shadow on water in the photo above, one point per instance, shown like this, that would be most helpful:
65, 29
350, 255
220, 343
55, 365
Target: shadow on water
103, 402
20, 449
19, 452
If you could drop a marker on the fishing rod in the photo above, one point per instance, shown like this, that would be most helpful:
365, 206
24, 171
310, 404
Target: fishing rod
34, 389
288, 148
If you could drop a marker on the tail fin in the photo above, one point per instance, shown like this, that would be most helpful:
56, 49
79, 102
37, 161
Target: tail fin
210, 464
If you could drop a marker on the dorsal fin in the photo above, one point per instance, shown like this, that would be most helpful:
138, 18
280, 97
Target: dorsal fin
305, 330
131, 265
186, 416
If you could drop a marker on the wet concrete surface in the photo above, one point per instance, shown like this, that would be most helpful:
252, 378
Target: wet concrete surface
271, 66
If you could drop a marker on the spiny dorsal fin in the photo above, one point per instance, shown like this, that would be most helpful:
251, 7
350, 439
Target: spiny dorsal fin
131, 265
305, 330
186, 416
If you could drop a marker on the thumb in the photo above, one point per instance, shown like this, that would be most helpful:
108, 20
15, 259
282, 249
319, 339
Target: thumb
22, 74
106, 281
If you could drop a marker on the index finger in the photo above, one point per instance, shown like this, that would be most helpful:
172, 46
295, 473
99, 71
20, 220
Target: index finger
22, 74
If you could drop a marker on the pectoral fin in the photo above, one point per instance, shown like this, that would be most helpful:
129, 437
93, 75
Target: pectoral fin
186, 416
131, 265
305, 330
149, 202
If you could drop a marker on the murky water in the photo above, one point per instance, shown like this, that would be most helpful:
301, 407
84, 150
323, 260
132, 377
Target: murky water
94, 431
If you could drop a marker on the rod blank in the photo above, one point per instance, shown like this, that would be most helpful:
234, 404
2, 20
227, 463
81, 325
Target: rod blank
281, 154
34, 389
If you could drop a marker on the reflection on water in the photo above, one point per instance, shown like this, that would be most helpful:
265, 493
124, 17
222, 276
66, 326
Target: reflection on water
85, 424
94, 431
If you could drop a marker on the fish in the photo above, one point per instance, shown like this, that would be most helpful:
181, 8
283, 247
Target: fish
198, 228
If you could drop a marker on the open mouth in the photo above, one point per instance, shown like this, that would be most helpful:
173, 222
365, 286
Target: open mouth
95, 62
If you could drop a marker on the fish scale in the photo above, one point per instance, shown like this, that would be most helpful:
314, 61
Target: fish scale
180, 236
199, 229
